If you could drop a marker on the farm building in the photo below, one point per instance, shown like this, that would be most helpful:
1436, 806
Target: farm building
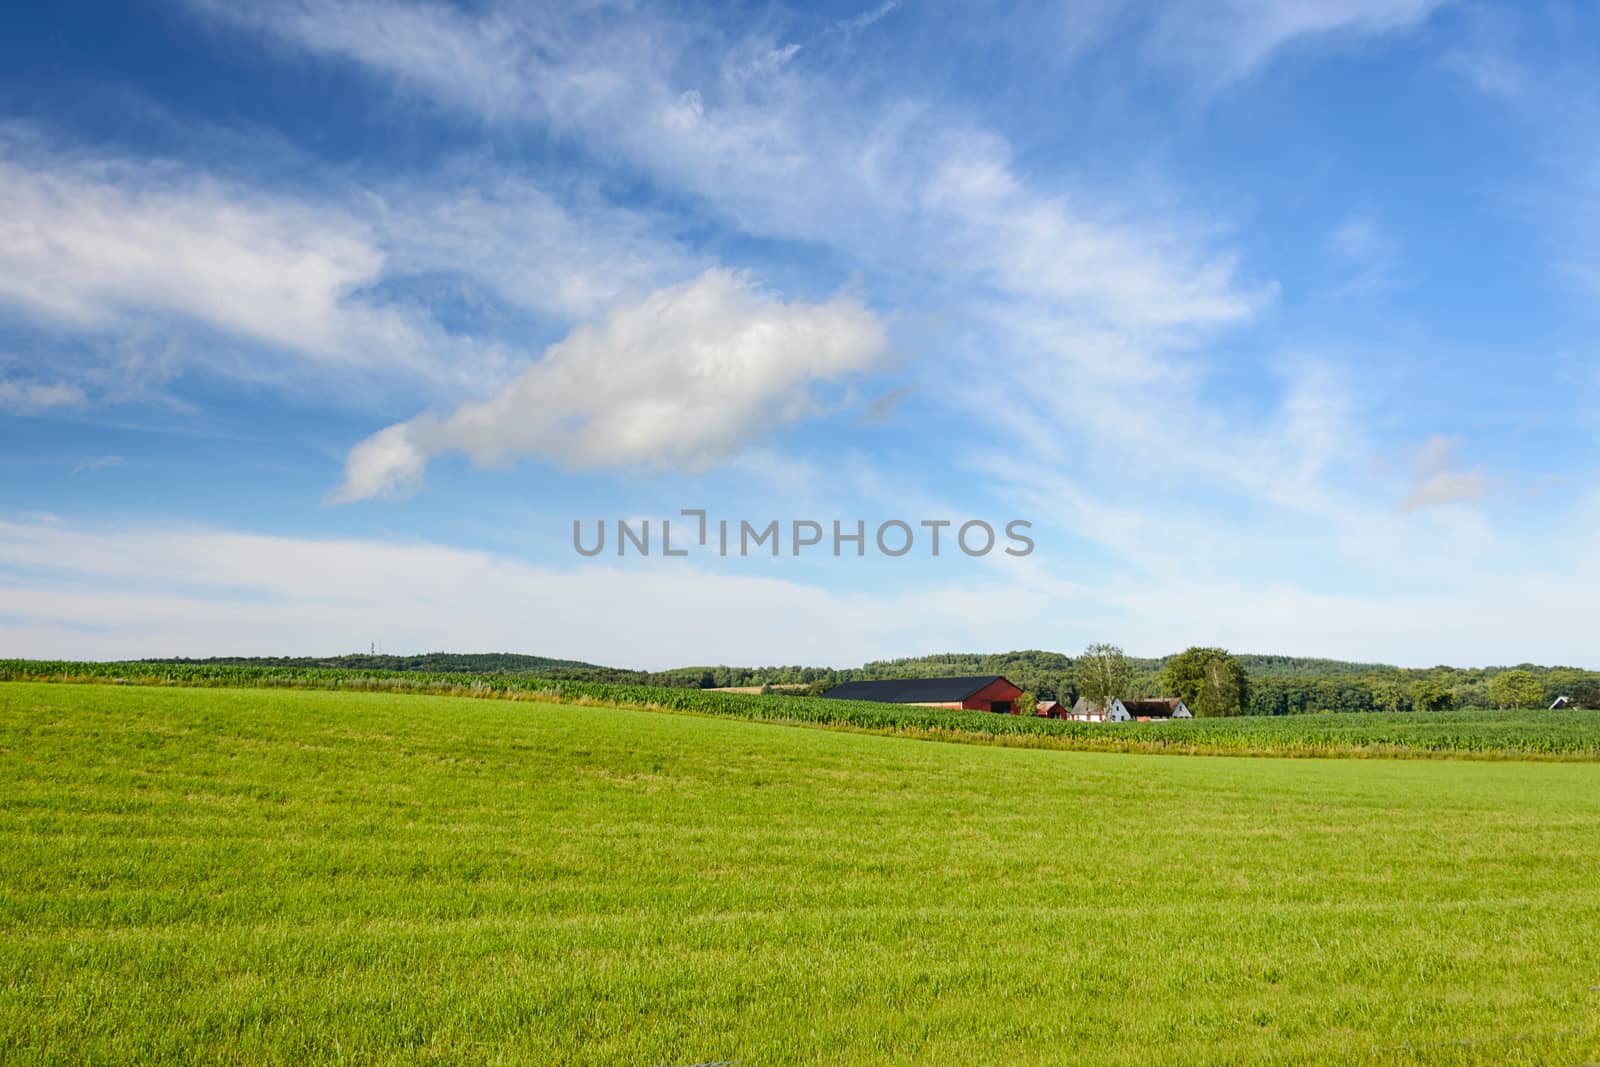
1131, 710
987, 693
1050, 709
1561, 702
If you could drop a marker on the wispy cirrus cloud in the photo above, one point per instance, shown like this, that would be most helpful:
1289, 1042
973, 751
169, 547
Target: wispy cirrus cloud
99, 245
1370, 255
86, 240
273, 286
776, 150
913, 196
1073, 305
1225, 40
557, 249
96, 463
24, 397
1088, 306
867, 18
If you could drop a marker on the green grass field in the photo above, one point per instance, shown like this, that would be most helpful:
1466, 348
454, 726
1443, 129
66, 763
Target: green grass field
230, 875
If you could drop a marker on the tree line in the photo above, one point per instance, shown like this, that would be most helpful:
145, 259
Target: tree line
1257, 684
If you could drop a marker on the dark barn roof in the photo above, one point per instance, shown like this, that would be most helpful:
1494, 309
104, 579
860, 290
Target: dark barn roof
1156, 708
912, 690
1162, 706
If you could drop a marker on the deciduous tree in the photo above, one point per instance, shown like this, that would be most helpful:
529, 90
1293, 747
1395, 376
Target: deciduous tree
1103, 674
1515, 689
1584, 693
1430, 694
1210, 681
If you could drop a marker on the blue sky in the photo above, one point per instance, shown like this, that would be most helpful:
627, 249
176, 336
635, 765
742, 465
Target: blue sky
320, 323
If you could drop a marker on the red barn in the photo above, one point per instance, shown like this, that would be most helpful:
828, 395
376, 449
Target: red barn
985, 693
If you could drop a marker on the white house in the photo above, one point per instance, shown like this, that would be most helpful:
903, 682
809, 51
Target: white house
1131, 710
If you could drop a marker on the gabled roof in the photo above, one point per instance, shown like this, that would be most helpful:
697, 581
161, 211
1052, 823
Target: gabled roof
913, 690
1163, 706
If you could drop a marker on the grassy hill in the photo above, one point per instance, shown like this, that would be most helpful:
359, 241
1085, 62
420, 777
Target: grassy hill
255, 876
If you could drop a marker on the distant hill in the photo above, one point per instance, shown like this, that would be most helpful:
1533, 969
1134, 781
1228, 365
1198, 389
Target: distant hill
445, 662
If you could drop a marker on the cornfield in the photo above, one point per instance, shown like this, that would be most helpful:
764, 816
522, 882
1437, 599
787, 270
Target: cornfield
1564, 734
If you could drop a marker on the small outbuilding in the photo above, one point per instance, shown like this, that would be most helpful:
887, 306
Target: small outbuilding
1084, 711
989, 692
1561, 702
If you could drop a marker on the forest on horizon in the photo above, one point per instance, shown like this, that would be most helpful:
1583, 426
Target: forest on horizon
1279, 685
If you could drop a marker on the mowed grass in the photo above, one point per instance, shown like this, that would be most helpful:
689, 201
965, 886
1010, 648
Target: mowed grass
297, 876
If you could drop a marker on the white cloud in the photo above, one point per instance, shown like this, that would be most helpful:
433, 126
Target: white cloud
1230, 39
1363, 247
108, 248
1446, 487
478, 61
1435, 480
89, 241
1490, 58
1491, 74
26, 397
111, 250
1552, 94
1083, 305
96, 463
1142, 279
1094, 287
686, 377
567, 256
788, 154
867, 18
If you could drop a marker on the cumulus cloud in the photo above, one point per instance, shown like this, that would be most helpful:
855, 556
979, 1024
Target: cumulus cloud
685, 377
